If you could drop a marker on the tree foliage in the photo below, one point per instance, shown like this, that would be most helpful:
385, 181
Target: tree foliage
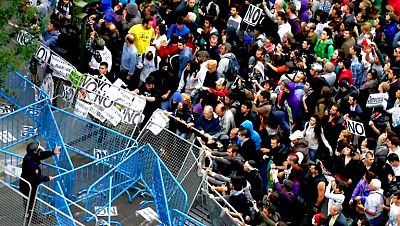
14, 16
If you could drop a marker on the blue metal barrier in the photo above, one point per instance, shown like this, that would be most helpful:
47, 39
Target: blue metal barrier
160, 200
87, 138
180, 218
20, 91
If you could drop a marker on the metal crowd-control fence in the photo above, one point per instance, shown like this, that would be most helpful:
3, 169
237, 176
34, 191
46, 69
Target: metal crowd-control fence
13, 205
76, 182
53, 208
20, 91
157, 179
180, 218
218, 213
179, 155
34, 121
89, 97
88, 139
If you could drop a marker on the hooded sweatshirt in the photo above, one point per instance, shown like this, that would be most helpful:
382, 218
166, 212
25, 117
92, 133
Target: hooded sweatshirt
320, 49
253, 134
149, 65
170, 106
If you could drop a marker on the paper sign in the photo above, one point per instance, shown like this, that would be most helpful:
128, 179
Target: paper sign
113, 115
97, 112
5, 109
105, 212
7, 137
43, 54
28, 131
23, 37
148, 213
97, 91
377, 100
99, 154
68, 93
158, 121
253, 15
76, 78
356, 128
138, 104
81, 108
13, 171
60, 67
33, 110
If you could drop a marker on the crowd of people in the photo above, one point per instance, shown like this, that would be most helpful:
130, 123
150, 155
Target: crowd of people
270, 101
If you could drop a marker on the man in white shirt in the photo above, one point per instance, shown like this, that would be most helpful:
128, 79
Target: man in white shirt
234, 20
373, 202
283, 26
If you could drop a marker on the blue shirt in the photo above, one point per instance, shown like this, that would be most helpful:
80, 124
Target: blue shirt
129, 58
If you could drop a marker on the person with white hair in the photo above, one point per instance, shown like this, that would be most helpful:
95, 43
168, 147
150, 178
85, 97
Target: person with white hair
336, 216
373, 202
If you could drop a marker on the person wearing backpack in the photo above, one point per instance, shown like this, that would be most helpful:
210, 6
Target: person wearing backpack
324, 48
148, 63
228, 66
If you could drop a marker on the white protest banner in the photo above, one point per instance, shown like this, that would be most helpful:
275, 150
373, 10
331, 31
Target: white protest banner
113, 115
98, 112
68, 93
43, 54
158, 121
60, 67
148, 213
23, 37
97, 91
377, 100
13, 171
5, 109
253, 15
356, 128
81, 108
138, 104
7, 137
105, 212
28, 131
119, 83
120, 95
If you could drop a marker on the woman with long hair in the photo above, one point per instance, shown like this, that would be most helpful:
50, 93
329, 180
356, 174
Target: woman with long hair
314, 135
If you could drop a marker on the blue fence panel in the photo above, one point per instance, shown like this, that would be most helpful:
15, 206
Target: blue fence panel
87, 138
20, 91
113, 184
160, 196
180, 218
76, 182
50, 133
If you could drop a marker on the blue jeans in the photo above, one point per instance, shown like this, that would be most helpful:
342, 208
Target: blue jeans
312, 153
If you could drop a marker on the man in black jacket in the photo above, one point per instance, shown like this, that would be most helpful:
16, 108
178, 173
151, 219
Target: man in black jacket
31, 170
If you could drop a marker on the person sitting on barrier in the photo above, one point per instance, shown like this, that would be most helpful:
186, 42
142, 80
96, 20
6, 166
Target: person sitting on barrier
32, 172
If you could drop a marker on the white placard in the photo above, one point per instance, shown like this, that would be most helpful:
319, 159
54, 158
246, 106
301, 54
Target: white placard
356, 128
99, 154
81, 108
5, 109
68, 93
60, 67
107, 211
23, 37
138, 104
13, 171
119, 83
158, 121
148, 213
7, 137
253, 15
98, 112
97, 91
377, 100
113, 115
43, 54
28, 131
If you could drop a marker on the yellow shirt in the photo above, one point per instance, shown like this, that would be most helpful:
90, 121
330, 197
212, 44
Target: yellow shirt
142, 36
333, 220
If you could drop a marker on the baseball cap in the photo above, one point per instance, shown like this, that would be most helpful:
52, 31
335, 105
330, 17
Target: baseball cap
296, 135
